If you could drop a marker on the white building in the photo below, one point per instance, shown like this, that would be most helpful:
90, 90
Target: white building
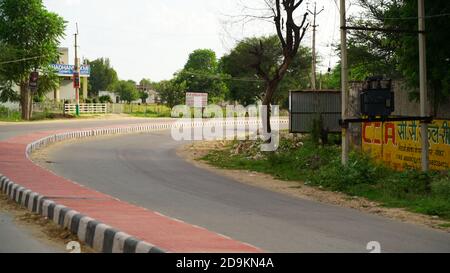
64, 70
66, 90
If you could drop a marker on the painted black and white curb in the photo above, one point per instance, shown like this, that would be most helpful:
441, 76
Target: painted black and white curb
99, 236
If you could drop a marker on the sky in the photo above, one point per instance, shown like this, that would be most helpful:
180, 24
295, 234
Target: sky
153, 38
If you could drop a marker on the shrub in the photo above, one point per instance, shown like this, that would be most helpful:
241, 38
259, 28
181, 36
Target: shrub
105, 99
441, 187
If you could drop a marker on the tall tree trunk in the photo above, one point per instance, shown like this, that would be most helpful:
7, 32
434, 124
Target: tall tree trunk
267, 102
25, 101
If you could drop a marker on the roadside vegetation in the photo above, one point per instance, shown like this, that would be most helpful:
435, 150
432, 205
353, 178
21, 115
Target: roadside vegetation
148, 111
301, 159
11, 115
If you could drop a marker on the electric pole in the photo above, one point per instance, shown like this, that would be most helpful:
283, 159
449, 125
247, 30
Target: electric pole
76, 73
423, 85
344, 83
314, 27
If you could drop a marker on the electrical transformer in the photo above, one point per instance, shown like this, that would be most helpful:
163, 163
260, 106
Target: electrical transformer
377, 98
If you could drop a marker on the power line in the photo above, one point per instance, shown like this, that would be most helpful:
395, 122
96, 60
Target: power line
218, 77
23, 59
416, 18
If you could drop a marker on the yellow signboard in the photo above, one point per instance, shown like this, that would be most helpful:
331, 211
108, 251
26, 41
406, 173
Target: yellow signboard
399, 143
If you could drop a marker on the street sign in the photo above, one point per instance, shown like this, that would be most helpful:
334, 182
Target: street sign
195, 99
66, 70
76, 80
33, 83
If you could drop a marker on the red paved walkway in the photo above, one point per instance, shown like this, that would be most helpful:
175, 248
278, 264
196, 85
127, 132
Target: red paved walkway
161, 231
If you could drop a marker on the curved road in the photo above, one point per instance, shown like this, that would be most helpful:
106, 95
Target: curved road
15, 238
145, 170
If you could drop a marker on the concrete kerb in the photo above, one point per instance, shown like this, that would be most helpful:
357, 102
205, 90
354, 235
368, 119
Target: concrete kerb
105, 239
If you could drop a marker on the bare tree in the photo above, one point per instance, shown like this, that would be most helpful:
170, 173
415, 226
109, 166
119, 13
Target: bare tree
290, 34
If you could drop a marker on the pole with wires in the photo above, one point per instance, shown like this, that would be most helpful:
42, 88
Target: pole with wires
314, 27
423, 85
77, 76
344, 83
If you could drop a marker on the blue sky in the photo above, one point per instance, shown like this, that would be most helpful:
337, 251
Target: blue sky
153, 38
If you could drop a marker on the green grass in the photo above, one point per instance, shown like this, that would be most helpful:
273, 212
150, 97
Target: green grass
150, 111
297, 160
9, 115
15, 116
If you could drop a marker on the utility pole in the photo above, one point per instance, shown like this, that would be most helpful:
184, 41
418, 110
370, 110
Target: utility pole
344, 83
423, 85
314, 26
77, 74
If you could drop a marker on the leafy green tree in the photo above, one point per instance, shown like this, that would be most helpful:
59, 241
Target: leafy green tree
103, 76
332, 80
143, 95
243, 86
48, 82
201, 74
400, 50
172, 92
202, 60
29, 33
147, 83
246, 86
126, 90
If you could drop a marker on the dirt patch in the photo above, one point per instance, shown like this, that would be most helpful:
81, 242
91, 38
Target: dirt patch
41, 228
195, 151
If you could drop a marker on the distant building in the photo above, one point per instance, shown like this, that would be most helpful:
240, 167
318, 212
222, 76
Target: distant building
153, 96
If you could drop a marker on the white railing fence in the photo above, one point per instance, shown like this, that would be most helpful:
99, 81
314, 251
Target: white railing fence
86, 108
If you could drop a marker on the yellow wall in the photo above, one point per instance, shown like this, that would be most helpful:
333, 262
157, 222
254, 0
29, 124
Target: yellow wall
399, 143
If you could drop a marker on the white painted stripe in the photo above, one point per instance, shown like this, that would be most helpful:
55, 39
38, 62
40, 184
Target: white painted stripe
119, 242
99, 237
68, 218
14, 187
45, 206
24, 197
19, 190
82, 228
38, 202
56, 213
30, 200
143, 247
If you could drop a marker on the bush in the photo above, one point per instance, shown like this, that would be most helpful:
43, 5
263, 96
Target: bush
9, 115
441, 187
105, 99
408, 184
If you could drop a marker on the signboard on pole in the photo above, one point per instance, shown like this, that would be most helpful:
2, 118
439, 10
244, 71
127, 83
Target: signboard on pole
66, 70
196, 99
76, 80
33, 82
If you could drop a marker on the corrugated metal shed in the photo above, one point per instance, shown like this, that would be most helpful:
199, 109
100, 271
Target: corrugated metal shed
305, 106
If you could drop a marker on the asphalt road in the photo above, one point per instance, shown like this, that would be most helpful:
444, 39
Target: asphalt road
144, 170
20, 239
8, 130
